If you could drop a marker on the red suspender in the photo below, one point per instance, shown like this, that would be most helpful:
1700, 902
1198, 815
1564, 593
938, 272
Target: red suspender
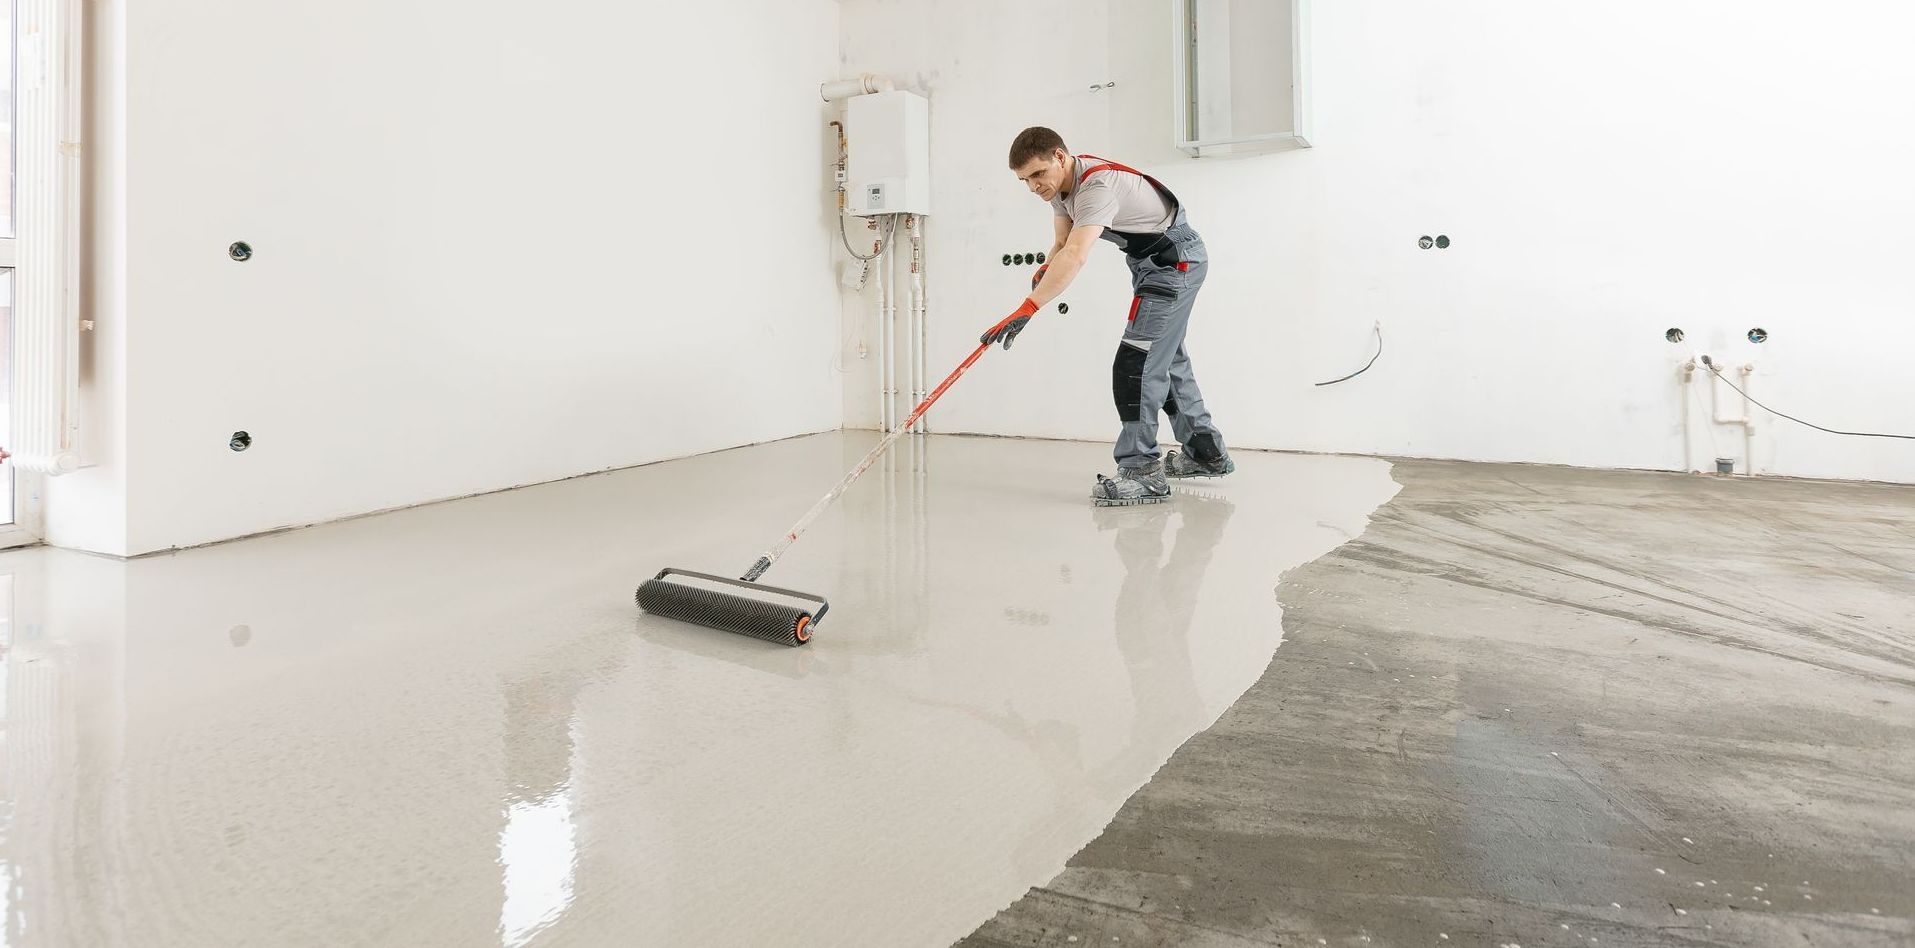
1170, 200
1114, 166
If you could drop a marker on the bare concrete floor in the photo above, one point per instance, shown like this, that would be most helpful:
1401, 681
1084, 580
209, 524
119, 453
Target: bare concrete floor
1541, 706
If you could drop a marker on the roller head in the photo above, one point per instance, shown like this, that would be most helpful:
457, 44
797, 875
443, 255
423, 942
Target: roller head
738, 613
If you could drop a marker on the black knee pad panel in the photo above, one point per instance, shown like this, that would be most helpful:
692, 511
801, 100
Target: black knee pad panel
1127, 382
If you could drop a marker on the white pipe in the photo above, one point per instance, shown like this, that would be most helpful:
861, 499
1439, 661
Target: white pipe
891, 343
908, 381
1747, 420
916, 333
924, 348
877, 274
1688, 416
897, 289
891, 351
904, 377
846, 88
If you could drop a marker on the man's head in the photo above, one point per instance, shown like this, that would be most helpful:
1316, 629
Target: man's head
1041, 161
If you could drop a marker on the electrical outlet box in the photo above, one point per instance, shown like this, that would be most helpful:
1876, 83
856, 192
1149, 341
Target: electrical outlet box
888, 154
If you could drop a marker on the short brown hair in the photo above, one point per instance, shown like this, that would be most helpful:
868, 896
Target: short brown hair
1034, 142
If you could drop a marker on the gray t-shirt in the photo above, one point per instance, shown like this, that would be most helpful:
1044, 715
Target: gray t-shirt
1113, 199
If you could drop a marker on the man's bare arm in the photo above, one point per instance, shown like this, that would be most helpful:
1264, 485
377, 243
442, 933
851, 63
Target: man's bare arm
1065, 261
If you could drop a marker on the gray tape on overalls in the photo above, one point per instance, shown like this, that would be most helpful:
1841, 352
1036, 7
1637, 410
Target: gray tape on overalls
1152, 371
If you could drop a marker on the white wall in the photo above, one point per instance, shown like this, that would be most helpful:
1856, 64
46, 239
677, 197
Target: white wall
1605, 174
494, 245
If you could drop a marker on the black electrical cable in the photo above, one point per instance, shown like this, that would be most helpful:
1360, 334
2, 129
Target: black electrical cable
1751, 398
1366, 368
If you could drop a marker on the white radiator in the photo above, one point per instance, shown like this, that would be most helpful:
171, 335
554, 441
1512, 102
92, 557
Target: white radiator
46, 312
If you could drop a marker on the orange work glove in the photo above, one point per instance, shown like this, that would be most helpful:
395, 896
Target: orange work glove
1007, 330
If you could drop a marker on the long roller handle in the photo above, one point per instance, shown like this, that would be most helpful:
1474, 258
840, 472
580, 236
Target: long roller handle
778, 549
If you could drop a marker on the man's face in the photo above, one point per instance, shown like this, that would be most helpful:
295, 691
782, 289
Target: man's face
1045, 176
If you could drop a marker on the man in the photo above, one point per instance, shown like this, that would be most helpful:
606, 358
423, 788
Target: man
1093, 199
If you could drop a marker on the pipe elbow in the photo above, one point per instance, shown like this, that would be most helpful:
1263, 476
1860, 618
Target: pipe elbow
864, 84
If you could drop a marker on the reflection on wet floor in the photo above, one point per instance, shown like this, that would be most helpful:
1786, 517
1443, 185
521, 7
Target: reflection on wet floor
450, 725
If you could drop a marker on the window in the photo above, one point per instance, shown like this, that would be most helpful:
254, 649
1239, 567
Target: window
1242, 70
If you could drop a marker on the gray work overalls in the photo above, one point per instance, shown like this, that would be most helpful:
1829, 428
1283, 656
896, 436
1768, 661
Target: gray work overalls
1152, 371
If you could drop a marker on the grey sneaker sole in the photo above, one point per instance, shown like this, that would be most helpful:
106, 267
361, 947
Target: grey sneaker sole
1229, 466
